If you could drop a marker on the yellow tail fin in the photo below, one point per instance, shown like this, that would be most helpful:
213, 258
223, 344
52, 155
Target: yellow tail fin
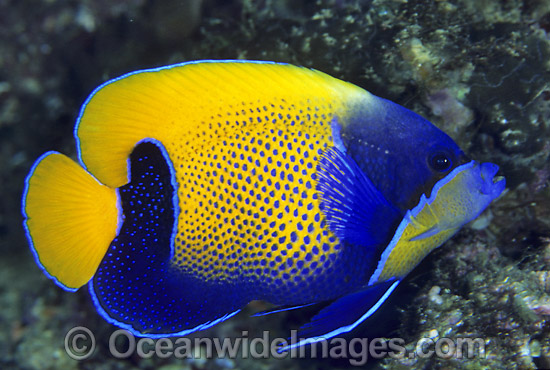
70, 219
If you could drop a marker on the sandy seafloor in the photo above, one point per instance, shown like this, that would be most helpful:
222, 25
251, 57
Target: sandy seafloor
477, 69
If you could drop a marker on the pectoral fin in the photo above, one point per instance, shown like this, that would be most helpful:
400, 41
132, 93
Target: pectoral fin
356, 210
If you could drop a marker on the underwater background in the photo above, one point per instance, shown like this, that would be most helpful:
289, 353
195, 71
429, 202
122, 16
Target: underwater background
479, 70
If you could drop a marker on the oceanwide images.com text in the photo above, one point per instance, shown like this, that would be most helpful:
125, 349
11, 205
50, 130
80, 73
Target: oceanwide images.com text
80, 344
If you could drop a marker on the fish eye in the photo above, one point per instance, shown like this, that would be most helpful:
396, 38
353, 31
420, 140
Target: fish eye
440, 162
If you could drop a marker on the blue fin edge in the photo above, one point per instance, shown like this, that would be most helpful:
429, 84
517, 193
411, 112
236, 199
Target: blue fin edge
281, 309
25, 218
343, 329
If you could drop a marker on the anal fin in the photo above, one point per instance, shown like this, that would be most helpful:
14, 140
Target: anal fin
344, 314
281, 309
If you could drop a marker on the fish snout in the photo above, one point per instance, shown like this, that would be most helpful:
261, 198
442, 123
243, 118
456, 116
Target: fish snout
491, 184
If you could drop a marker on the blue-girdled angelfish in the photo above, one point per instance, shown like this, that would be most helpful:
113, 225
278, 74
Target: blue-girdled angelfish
205, 185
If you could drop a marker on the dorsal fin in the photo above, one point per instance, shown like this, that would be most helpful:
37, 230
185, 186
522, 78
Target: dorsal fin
172, 102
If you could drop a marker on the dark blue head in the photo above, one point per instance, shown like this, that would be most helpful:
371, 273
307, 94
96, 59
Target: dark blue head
402, 153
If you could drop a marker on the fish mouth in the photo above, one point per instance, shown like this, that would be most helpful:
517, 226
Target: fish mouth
491, 184
498, 178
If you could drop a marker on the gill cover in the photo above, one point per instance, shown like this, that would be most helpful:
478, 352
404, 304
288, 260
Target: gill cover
455, 200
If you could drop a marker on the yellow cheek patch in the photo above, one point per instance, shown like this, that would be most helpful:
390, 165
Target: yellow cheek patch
431, 223
408, 253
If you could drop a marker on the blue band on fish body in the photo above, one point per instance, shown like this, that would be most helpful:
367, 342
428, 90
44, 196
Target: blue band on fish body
175, 186
133, 285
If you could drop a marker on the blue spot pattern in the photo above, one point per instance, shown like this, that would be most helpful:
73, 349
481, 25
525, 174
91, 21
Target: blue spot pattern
136, 286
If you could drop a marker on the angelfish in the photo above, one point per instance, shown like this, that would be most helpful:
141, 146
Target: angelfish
205, 185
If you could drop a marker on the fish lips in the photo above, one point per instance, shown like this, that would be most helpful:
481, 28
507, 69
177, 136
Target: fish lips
491, 184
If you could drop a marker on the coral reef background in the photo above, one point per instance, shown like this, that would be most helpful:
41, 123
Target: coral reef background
478, 69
